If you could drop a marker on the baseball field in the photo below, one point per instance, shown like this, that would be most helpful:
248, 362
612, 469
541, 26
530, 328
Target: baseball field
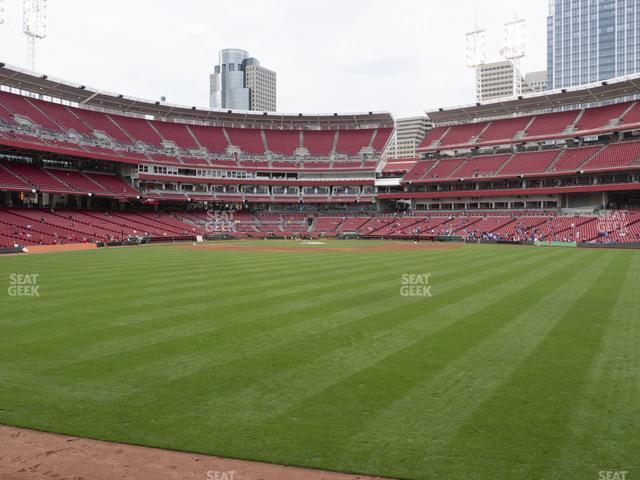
390, 359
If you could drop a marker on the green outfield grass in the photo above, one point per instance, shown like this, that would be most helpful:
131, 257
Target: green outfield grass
523, 364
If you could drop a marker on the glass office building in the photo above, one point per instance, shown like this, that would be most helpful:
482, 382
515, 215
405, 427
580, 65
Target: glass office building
240, 83
592, 40
229, 90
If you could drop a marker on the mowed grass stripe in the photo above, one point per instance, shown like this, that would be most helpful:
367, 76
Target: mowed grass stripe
382, 375
221, 424
61, 294
351, 351
217, 278
432, 412
291, 379
247, 285
604, 422
515, 433
147, 356
224, 304
224, 308
286, 327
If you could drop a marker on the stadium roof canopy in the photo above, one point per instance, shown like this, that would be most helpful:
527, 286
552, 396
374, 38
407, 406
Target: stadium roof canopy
540, 101
74, 93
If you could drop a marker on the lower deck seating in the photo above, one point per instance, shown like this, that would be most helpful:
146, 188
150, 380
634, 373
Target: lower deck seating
37, 226
27, 227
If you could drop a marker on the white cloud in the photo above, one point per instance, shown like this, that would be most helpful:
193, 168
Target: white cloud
330, 55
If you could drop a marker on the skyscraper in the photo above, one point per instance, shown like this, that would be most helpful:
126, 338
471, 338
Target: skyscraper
496, 81
409, 133
240, 83
592, 40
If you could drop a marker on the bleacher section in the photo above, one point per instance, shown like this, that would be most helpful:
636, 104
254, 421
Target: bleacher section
139, 139
28, 227
536, 127
319, 143
551, 124
249, 140
26, 177
282, 142
505, 129
487, 171
352, 141
529, 162
598, 158
481, 166
211, 138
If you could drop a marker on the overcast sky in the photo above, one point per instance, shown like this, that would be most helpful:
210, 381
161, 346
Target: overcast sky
330, 55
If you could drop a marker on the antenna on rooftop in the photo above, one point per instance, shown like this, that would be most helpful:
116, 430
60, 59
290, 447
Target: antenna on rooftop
515, 49
476, 55
34, 26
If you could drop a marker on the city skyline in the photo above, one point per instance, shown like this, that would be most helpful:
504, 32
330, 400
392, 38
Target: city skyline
318, 72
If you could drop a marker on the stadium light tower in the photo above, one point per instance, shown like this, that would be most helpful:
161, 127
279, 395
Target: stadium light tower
476, 55
34, 26
514, 49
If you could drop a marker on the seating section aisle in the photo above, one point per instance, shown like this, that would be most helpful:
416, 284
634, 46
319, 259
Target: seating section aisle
133, 133
28, 227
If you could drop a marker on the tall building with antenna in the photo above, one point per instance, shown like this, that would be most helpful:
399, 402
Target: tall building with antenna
503, 78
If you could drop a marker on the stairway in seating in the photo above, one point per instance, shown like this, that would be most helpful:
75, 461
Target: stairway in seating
497, 172
133, 140
478, 137
51, 174
572, 127
503, 225
438, 141
12, 173
616, 121
523, 132
195, 139
153, 127
437, 162
552, 165
17, 176
373, 138
34, 105
334, 145
96, 183
226, 135
265, 144
72, 112
589, 159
